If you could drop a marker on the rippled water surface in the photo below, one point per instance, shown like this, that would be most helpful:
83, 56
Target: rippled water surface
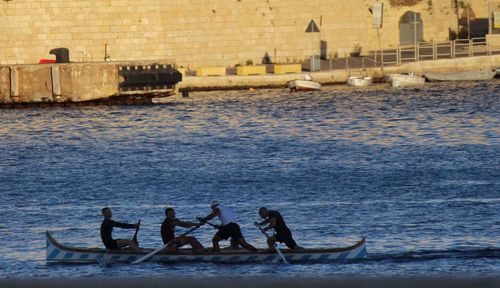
416, 171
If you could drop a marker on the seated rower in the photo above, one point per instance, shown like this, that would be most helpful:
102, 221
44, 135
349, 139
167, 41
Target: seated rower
107, 231
276, 222
229, 229
168, 233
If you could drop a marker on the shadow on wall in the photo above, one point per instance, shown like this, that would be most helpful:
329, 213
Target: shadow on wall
478, 28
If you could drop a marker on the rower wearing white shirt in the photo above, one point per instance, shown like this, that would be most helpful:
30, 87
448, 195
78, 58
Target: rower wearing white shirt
229, 227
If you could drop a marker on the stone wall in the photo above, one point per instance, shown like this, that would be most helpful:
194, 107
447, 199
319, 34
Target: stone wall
198, 33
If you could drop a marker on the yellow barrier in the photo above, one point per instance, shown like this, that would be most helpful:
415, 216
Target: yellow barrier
287, 68
250, 70
182, 70
211, 71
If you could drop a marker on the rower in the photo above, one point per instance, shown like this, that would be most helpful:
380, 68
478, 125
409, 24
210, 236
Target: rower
275, 221
107, 231
168, 233
229, 227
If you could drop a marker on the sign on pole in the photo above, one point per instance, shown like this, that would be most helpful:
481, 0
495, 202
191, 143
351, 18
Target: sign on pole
497, 20
312, 27
378, 11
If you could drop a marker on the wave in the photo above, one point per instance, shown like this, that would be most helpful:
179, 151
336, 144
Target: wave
426, 255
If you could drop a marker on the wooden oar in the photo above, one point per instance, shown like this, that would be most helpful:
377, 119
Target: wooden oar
135, 234
143, 258
275, 245
206, 222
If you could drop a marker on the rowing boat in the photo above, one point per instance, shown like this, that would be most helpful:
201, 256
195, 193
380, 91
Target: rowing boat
59, 253
461, 76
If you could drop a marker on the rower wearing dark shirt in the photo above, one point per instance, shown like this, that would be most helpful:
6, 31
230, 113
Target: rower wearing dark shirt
107, 231
168, 233
276, 222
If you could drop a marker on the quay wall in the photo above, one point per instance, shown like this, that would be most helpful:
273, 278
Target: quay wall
228, 82
84, 82
213, 32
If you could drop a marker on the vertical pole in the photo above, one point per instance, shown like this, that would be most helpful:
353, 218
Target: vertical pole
453, 44
471, 53
415, 34
434, 50
489, 17
468, 23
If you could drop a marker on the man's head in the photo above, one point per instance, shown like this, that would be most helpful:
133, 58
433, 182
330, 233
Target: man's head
263, 212
170, 212
214, 204
106, 212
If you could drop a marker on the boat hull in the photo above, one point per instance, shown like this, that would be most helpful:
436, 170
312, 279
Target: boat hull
304, 85
402, 80
461, 76
59, 253
359, 82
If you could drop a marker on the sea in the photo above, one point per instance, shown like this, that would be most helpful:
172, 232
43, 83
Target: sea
416, 171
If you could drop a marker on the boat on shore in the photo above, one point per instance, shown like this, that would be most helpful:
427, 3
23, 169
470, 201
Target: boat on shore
308, 84
461, 76
359, 81
59, 253
402, 80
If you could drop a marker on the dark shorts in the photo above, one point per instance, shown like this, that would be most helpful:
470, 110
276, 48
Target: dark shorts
111, 245
287, 239
230, 230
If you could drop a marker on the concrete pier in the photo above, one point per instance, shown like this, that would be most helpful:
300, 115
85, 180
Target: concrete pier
38, 84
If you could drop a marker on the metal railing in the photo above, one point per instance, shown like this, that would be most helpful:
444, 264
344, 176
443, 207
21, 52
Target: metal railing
435, 50
413, 53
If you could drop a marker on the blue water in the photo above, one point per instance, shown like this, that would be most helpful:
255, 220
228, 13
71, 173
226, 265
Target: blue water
416, 171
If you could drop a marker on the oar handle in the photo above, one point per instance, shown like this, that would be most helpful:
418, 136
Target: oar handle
203, 221
261, 230
142, 259
136, 231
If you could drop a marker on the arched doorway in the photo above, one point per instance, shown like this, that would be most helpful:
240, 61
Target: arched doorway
411, 28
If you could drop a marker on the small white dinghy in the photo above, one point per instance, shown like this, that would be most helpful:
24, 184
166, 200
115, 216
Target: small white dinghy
308, 84
401, 80
360, 82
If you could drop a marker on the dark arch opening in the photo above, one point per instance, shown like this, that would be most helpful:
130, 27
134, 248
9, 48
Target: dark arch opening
411, 28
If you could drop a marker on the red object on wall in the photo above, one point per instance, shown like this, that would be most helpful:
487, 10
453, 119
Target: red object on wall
46, 61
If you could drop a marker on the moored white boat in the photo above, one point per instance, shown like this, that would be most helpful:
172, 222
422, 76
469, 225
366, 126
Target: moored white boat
308, 84
401, 80
59, 253
461, 76
358, 81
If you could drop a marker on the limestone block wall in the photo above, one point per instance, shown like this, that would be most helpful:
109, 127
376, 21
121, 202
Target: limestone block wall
198, 33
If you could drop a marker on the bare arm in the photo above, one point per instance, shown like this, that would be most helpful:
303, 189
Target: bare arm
264, 222
272, 224
215, 212
185, 224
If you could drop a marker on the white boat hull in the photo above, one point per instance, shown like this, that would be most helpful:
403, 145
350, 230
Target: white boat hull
402, 80
359, 82
304, 85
